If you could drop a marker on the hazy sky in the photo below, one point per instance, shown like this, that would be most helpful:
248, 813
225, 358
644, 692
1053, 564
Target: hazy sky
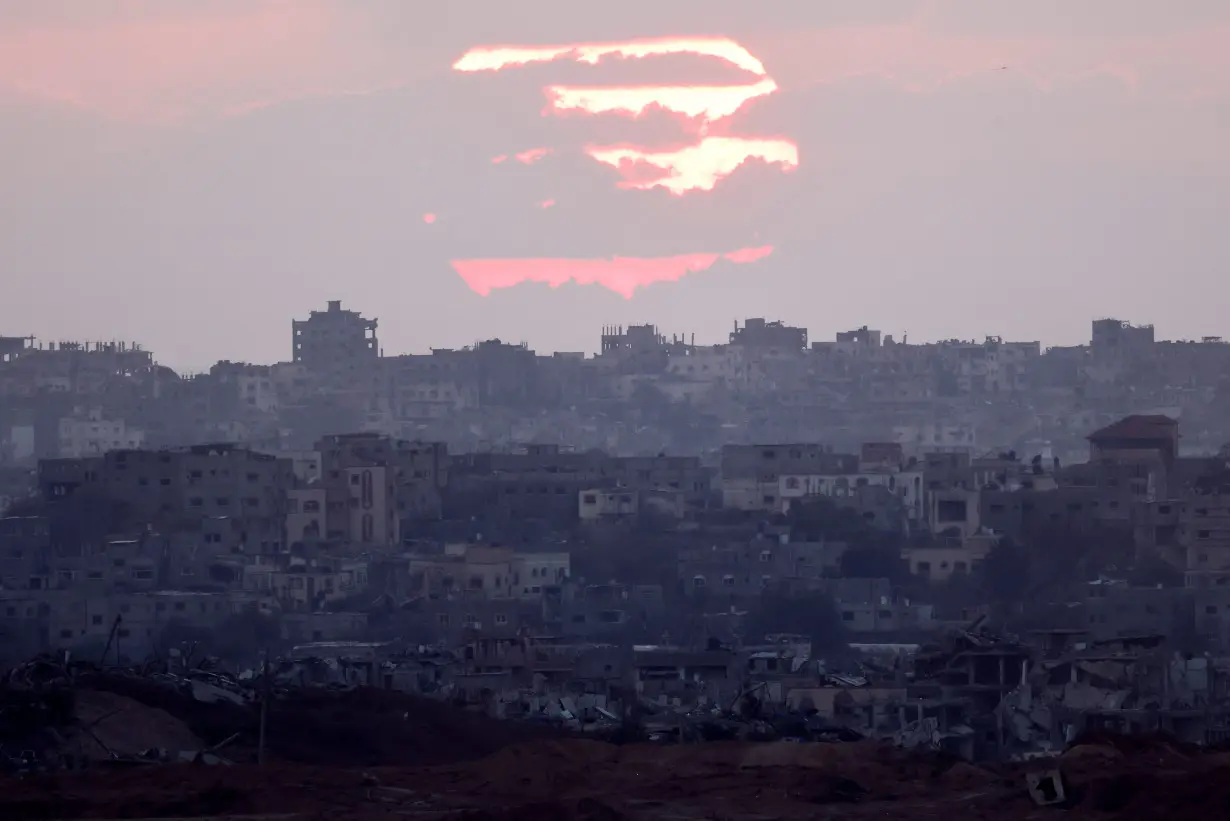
192, 174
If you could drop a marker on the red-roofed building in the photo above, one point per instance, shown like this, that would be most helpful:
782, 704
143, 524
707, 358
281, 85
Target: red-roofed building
1136, 439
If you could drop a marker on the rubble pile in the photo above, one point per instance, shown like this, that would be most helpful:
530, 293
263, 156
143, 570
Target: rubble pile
590, 780
357, 727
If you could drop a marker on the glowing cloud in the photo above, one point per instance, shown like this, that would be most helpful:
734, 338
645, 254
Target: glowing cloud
532, 156
707, 103
498, 58
623, 275
698, 167
501, 158
698, 164
429, 218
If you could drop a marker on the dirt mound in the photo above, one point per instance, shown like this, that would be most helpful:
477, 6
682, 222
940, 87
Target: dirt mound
109, 723
358, 728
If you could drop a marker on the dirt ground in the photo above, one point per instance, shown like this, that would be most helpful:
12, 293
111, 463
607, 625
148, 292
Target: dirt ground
359, 728
554, 780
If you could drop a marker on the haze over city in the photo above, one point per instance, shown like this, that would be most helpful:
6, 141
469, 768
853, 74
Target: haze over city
195, 174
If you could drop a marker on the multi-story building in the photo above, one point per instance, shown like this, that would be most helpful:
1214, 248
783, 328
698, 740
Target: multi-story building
180, 487
92, 434
751, 474
374, 483
335, 341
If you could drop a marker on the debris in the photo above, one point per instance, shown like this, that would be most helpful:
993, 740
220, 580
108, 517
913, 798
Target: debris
1046, 788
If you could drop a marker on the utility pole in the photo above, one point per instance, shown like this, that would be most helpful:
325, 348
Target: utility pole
265, 689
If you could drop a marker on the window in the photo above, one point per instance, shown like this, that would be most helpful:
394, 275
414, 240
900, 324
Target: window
1203, 534
96, 620
698, 581
196, 501
66, 634
847, 615
1210, 609
501, 619
442, 619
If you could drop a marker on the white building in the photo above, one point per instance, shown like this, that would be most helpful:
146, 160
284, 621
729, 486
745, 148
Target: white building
607, 504
93, 435
906, 484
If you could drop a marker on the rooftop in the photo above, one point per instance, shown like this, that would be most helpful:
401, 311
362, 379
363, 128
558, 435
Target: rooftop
1137, 427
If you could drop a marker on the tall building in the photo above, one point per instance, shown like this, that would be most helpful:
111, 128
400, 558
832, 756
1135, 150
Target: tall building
335, 340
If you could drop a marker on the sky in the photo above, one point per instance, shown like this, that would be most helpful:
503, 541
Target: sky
194, 174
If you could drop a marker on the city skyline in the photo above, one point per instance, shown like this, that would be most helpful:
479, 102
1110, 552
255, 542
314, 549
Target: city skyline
1006, 169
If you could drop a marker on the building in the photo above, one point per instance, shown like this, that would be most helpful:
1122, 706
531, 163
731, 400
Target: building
373, 483
597, 505
751, 474
91, 434
1136, 439
335, 341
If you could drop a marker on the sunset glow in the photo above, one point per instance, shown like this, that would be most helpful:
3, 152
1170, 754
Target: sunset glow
498, 58
707, 103
698, 166
623, 275
429, 218
532, 156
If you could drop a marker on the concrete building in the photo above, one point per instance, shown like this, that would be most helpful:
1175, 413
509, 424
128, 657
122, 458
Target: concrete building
90, 434
334, 341
1136, 439
305, 515
381, 480
183, 486
907, 486
597, 505
751, 474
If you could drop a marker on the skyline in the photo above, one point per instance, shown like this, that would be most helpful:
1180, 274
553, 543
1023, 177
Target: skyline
961, 171
683, 337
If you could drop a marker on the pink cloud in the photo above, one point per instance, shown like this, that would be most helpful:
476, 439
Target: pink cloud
151, 61
150, 64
